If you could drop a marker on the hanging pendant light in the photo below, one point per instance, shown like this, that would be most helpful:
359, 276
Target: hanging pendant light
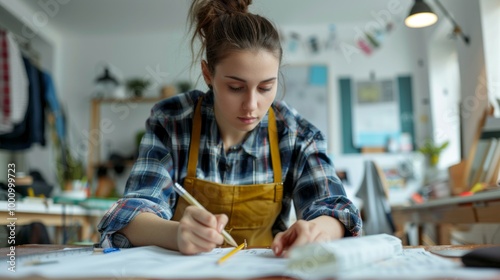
421, 15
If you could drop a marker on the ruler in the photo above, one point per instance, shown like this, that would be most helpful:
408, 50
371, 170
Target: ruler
50, 256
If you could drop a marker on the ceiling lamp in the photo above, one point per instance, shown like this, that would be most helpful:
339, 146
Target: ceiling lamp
421, 15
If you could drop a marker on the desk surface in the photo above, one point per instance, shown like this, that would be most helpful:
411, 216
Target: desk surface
89, 207
58, 212
33, 249
456, 200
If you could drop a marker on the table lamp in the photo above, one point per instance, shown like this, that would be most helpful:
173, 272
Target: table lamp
106, 84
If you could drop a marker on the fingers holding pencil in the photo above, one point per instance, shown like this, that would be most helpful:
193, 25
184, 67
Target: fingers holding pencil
192, 201
199, 231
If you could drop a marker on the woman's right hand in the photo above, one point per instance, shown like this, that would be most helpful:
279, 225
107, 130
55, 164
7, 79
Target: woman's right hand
200, 231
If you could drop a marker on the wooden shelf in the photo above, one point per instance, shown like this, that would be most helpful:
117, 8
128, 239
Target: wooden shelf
95, 117
491, 128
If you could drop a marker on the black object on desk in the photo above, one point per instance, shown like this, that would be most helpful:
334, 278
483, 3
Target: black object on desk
483, 257
39, 186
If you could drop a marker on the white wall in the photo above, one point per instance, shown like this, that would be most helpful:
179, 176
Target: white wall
490, 10
471, 60
472, 67
162, 58
445, 93
394, 57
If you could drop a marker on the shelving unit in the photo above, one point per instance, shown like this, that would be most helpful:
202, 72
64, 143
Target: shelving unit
94, 148
491, 128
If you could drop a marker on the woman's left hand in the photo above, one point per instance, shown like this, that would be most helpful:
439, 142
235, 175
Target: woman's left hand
323, 228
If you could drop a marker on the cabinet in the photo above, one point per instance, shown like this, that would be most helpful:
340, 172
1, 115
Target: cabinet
95, 130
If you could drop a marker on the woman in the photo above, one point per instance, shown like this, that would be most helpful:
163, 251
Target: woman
239, 152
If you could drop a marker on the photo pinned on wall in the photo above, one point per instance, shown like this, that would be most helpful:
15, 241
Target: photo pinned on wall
364, 46
306, 87
313, 44
332, 42
373, 42
373, 39
294, 42
367, 40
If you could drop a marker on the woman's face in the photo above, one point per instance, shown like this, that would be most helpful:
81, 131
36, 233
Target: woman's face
244, 85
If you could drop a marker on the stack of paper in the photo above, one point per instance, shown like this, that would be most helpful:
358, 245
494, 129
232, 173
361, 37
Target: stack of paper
343, 254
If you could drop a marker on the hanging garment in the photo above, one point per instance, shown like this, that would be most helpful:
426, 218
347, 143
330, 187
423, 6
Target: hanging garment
376, 211
53, 105
31, 129
251, 209
14, 95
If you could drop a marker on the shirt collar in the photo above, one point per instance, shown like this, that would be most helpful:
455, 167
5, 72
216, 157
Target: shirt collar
252, 145
254, 140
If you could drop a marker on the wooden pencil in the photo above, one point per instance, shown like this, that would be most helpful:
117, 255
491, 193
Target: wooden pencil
232, 252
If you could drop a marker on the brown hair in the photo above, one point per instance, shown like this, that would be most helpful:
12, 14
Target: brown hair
226, 25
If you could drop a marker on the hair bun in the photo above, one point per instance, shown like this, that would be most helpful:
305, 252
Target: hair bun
236, 6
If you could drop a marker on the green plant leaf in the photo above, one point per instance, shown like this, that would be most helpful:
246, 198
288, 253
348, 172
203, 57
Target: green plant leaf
430, 148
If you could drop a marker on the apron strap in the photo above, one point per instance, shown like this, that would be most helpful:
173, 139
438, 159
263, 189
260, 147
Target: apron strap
194, 146
272, 131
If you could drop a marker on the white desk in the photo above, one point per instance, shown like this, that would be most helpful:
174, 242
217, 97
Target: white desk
51, 214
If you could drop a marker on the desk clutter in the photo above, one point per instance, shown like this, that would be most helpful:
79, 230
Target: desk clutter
28, 185
69, 220
480, 167
389, 261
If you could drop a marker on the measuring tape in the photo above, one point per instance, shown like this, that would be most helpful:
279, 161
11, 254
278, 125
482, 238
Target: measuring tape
50, 256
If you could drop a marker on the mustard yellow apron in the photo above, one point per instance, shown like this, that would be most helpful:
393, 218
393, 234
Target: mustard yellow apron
251, 209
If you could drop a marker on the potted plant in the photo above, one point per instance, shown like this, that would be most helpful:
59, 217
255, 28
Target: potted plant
432, 151
69, 170
184, 86
137, 86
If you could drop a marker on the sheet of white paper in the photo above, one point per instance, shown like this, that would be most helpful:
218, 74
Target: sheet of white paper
155, 262
411, 264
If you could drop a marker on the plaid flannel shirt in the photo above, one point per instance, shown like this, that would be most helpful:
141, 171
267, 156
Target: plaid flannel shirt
309, 176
